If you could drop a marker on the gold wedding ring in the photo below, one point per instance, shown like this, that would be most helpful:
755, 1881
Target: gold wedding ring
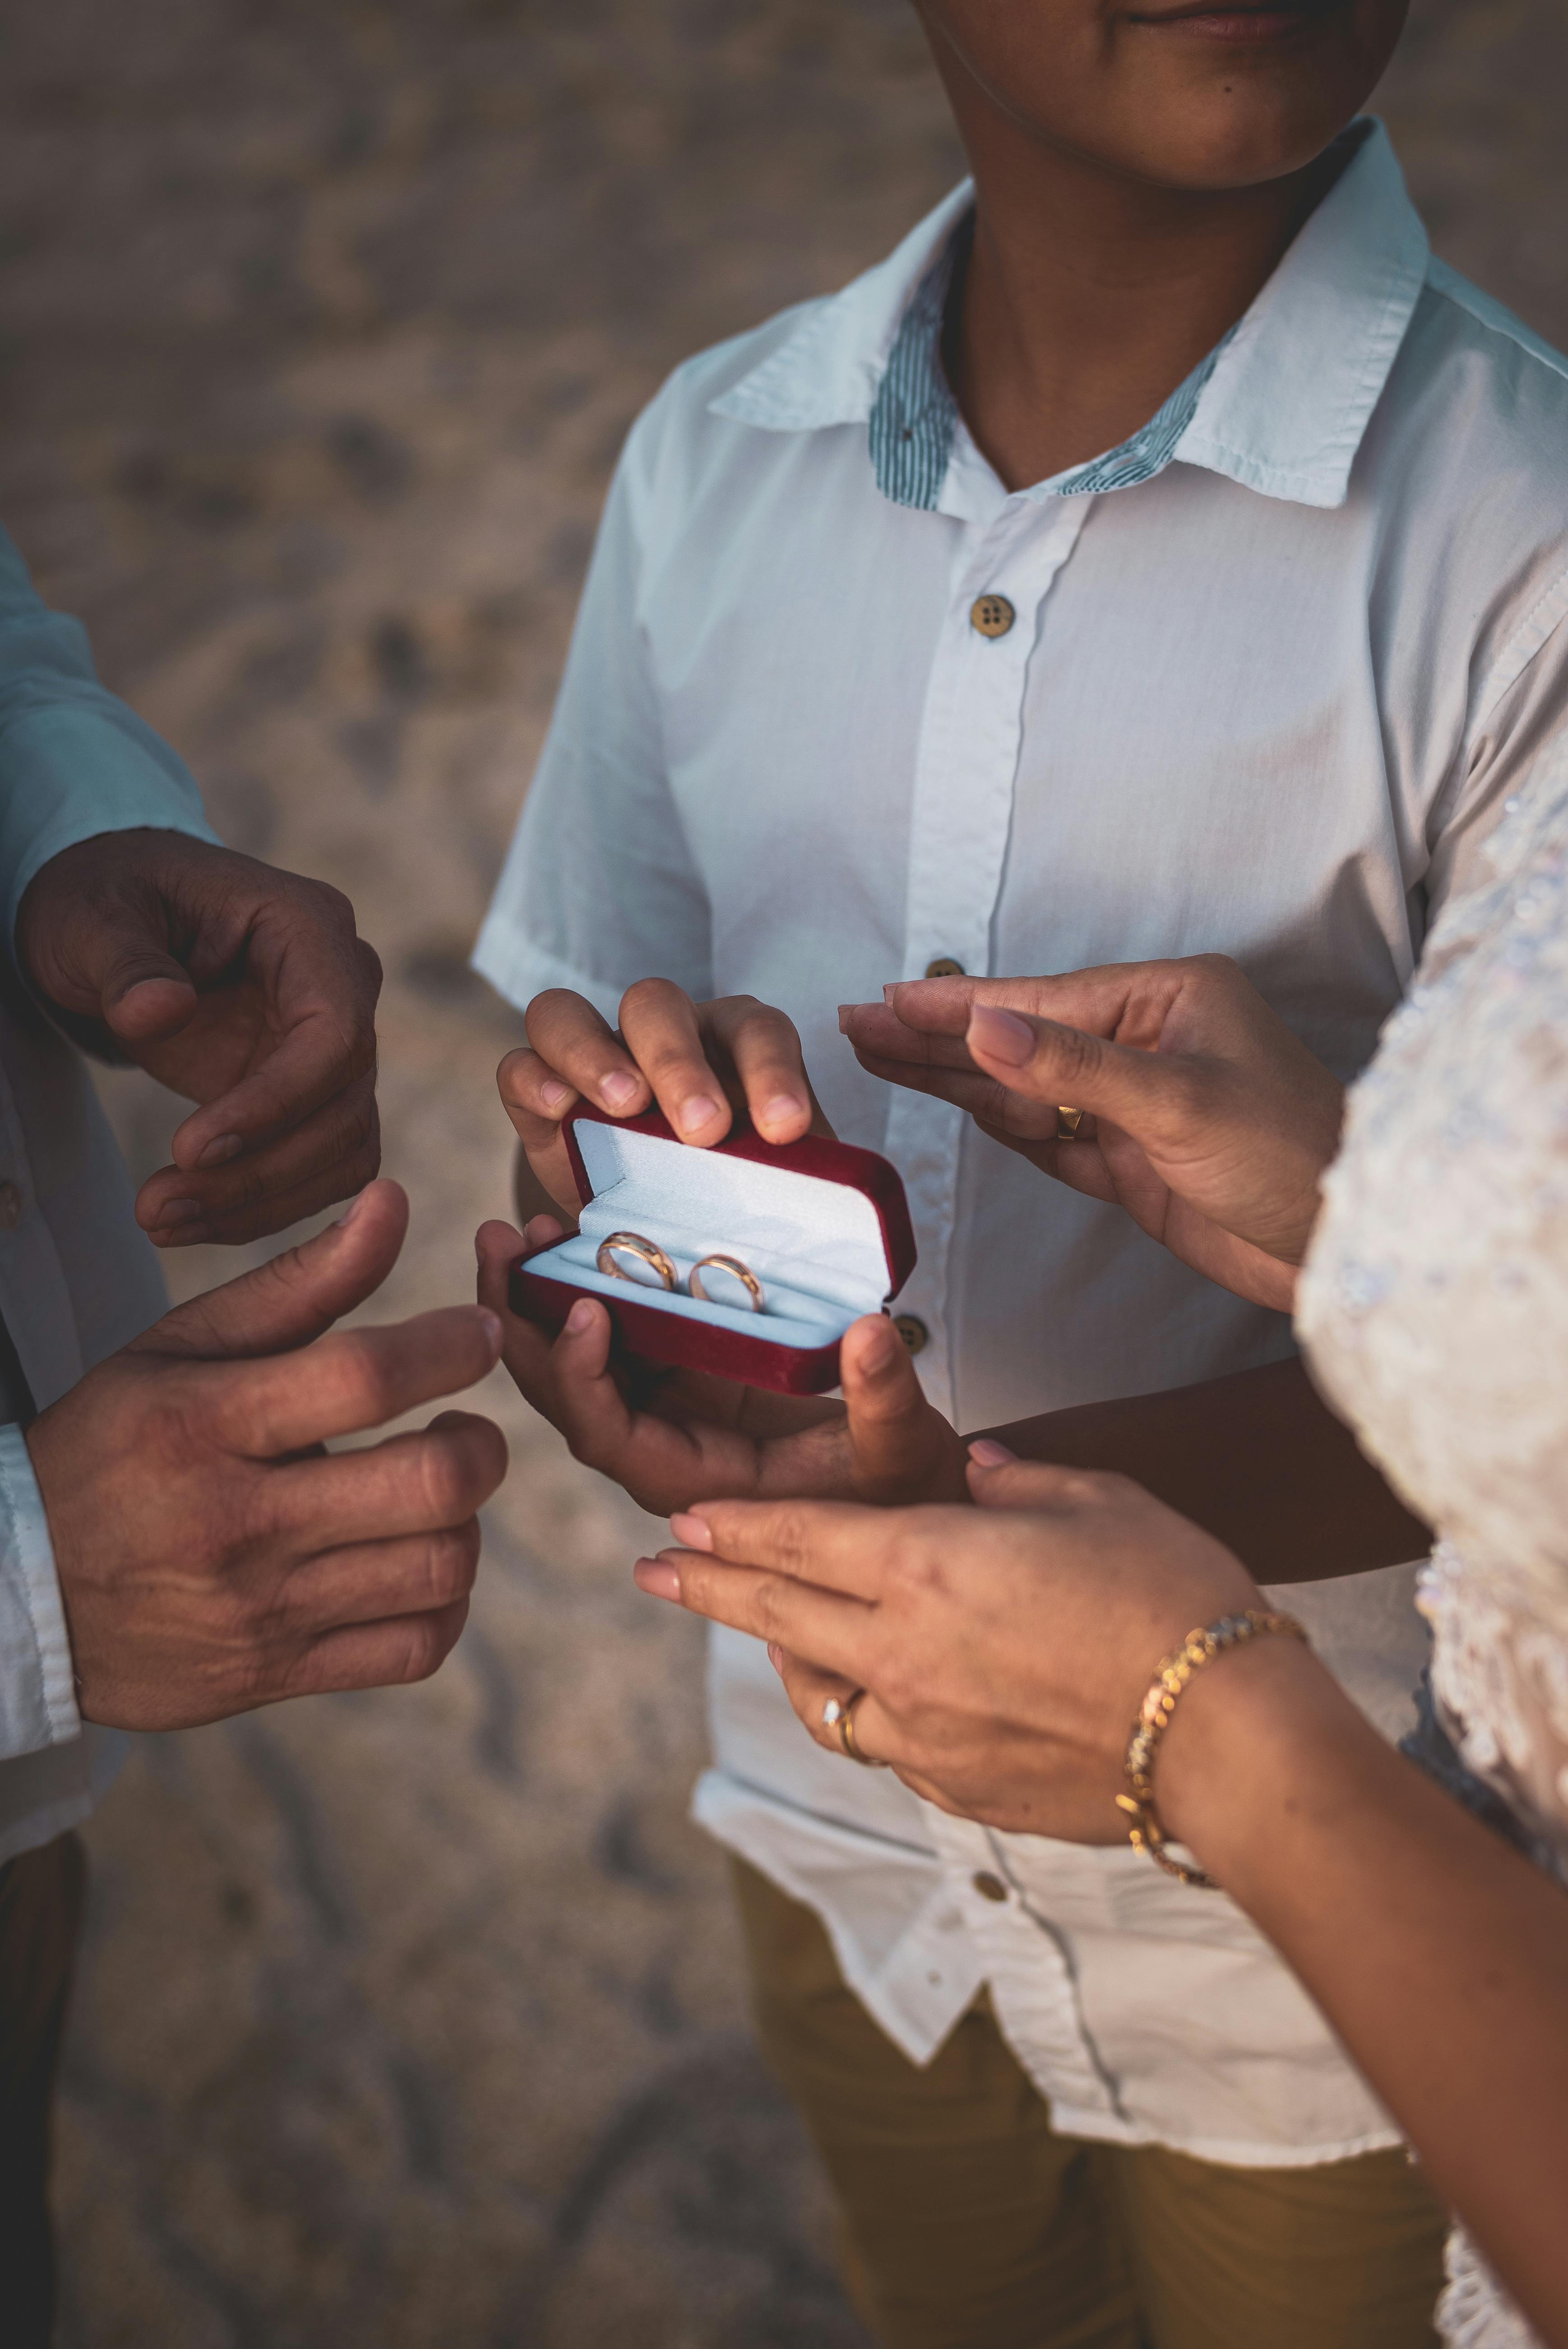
737, 1270
1068, 1121
645, 1251
841, 1717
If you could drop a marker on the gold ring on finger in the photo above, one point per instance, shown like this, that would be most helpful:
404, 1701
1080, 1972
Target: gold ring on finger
737, 1271
645, 1252
840, 1715
1068, 1121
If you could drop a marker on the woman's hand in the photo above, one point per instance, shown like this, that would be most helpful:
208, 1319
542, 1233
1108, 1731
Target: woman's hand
1207, 1120
675, 1437
1004, 1651
701, 1062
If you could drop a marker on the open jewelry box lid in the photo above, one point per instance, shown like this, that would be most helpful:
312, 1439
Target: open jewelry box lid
823, 1225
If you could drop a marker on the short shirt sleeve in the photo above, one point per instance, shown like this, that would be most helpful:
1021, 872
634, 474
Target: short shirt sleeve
1523, 717
599, 887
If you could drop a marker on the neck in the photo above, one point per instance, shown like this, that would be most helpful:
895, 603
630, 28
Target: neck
1090, 295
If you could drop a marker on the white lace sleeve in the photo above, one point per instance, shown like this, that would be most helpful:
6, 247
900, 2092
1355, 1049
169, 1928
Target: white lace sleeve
1434, 1308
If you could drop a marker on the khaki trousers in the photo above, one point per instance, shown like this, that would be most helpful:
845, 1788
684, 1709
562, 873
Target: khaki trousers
41, 1898
965, 2224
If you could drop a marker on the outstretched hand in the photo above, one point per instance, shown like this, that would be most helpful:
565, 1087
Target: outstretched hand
1204, 1116
1003, 1651
245, 988
211, 1555
674, 1437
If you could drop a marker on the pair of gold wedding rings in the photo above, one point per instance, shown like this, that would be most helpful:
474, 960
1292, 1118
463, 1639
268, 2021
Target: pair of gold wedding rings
649, 1253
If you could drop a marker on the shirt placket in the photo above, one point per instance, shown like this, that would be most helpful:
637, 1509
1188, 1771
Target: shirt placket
966, 771
1030, 1967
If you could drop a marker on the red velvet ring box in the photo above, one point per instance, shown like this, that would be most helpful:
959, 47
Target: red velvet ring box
824, 1226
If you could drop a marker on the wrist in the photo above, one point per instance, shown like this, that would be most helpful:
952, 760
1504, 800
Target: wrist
1263, 1740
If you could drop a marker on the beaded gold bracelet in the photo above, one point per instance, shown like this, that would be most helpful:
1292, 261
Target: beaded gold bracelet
1198, 1647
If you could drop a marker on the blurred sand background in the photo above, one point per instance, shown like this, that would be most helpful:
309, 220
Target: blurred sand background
414, 2019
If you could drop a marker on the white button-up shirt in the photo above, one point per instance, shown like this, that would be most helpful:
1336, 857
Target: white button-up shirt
77, 1278
1266, 701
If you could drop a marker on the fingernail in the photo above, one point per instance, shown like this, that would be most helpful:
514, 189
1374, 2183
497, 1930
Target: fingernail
352, 1209
178, 1235
580, 1317
986, 1453
695, 1115
619, 1090
491, 1324
177, 1211
555, 1092
690, 1532
658, 1578
776, 1655
890, 989
782, 1106
1001, 1035
219, 1153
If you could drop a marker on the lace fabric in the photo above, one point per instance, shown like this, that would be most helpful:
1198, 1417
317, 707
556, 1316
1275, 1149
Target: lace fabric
1434, 1310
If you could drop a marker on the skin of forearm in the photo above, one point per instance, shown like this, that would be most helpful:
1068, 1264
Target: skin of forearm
1257, 1459
1439, 1954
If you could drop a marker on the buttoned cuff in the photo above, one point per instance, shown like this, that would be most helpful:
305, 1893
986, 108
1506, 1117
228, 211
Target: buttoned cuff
74, 770
37, 1690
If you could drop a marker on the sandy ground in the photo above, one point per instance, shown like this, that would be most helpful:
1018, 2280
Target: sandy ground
413, 2018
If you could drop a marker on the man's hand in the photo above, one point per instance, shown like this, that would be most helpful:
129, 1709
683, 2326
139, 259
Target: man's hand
242, 988
673, 1437
211, 1556
1207, 1120
701, 1063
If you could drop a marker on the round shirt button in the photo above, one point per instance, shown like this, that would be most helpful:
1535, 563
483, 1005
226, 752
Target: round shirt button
992, 616
912, 1330
944, 967
10, 1207
988, 1887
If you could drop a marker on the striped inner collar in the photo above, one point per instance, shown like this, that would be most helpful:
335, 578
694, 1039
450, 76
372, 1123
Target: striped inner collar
915, 415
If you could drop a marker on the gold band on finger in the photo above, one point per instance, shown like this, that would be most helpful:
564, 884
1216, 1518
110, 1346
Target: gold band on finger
1068, 1121
645, 1252
739, 1271
840, 1715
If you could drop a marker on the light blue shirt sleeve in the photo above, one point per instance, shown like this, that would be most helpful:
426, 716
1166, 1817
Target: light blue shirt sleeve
74, 759
37, 1692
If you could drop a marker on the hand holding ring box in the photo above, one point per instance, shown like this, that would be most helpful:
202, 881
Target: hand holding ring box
822, 1225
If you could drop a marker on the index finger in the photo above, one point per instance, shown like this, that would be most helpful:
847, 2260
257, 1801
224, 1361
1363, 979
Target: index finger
1128, 1000
576, 1043
321, 986
876, 1028
821, 1624
837, 1544
355, 1380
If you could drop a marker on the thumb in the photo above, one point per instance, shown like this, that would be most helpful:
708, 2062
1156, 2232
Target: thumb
289, 1301
889, 1418
125, 975
998, 1479
1044, 1061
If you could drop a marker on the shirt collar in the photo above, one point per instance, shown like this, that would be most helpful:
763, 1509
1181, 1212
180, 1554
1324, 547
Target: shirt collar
1285, 401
